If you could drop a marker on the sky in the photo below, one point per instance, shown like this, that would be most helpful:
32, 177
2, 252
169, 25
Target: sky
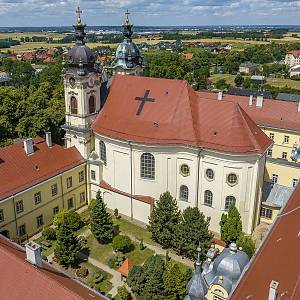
150, 12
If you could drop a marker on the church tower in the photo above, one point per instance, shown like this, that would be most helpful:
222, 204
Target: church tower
129, 60
82, 80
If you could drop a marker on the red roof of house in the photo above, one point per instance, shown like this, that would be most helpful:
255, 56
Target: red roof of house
19, 171
294, 52
188, 55
274, 113
176, 115
21, 280
277, 259
126, 266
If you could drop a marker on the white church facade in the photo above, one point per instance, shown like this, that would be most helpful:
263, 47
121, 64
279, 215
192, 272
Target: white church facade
146, 136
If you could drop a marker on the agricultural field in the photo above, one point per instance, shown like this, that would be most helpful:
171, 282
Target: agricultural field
277, 82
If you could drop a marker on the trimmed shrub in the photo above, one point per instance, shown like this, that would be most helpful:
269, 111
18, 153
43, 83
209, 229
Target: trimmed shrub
122, 243
115, 261
82, 272
49, 234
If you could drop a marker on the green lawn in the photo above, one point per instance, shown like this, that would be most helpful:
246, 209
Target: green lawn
277, 82
228, 77
99, 251
105, 286
104, 252
138, 232
138, 256
45, 251
283, 82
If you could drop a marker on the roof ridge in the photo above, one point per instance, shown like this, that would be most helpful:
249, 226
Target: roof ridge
248, 120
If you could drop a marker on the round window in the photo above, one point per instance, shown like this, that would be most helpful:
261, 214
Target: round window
210, 175
185, 170
232, 179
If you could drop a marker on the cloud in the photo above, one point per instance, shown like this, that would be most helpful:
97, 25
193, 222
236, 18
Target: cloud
154, 12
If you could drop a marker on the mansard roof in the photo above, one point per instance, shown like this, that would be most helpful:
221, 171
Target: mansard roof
19, 171
174, 114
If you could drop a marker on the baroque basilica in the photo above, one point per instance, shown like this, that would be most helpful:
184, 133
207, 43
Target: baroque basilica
142, 136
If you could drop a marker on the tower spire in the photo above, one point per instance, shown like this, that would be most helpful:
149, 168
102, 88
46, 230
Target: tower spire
79, 28
127, 26
197, 288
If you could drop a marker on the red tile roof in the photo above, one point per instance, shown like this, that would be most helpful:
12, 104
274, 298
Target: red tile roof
274, 113
126, 266
21, 280
19, 171
277, 259
294, 52
141, 198
188, 55
178, 115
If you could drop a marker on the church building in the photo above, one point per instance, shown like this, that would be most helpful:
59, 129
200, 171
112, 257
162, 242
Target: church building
150, 135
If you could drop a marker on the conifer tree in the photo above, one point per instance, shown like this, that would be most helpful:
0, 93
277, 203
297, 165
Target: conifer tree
174, 282
163, 220
67, 246
192, 232
246, 243
231, 225
102, 225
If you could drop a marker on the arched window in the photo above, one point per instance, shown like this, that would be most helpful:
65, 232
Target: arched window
102, 152
74, 105
92, 105
147, 166
184, 193
228, 201
208, 198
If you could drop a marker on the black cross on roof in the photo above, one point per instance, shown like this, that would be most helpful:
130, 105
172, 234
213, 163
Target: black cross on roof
143, 101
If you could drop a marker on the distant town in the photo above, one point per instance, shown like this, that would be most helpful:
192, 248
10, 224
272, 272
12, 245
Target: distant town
149, 162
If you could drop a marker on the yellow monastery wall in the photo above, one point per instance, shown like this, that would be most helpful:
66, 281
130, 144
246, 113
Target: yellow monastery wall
49, 202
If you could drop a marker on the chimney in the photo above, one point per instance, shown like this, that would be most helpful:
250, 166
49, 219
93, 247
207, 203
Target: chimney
220, 95
33, 254
49, 139
273, 290
259, 101
251, 100
28, 146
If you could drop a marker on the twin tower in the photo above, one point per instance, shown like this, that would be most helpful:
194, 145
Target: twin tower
86, 84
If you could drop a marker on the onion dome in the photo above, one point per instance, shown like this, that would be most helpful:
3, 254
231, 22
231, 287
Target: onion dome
227, 267
197, 287
81, 58
128, 55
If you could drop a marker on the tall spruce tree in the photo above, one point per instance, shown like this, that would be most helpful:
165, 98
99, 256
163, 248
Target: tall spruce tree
67, 246
102, 225
231, 225
163, 220
192, 231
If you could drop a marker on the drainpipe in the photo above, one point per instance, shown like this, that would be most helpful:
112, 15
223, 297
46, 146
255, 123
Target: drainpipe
62, 191
198, 178
15, 214
131, 183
